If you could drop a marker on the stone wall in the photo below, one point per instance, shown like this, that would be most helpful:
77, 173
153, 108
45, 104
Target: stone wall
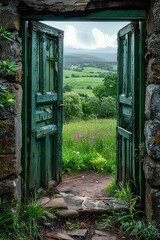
152, 113
10, 121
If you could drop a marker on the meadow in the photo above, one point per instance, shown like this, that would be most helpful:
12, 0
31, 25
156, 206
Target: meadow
83, 78
89, 145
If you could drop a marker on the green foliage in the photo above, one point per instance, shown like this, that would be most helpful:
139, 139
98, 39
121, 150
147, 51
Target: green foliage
22, 221
110, 83
107, 108
89, 145
72, 106
5, 34
111, 187
141, 229
95, 104
8, 67
103, 108
109, 87
126, 194
67, 88
86, 109
99, 91
132, 221
6, 98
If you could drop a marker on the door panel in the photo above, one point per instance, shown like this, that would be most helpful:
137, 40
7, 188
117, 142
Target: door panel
128, 103
45, 96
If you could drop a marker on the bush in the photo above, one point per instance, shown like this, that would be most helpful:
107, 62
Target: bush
108, 107
67, 88
72, 107
104, 108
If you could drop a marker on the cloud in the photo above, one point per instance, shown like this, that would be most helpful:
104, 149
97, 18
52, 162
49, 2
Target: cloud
77, 39
103, 39
96, 39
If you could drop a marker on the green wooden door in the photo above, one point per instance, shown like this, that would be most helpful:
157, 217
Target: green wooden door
128, 104
45, 105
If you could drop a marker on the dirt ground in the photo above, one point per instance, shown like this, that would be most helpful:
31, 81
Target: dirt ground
85, 184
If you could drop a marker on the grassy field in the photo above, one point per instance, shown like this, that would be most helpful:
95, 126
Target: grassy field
89, 145
84, 91
83, 82
82, 78
92, 71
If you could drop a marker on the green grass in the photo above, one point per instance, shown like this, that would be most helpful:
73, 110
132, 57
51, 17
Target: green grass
21, 222
85, 72
88, 76
89, 145
83, 82
84, 91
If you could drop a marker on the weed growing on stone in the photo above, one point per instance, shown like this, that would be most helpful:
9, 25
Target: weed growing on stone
89, 145
131, 221
111, 188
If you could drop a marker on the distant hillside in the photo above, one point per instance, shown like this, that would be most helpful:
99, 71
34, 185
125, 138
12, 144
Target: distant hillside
94, 59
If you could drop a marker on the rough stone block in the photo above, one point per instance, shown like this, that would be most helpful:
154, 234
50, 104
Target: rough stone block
10, 190
152, 136
9, 19
61, 6
12, 50
10, 136
152, 106
153, 45
152, 171
153, 23
10, 165
13, 2
152, 203
153, 73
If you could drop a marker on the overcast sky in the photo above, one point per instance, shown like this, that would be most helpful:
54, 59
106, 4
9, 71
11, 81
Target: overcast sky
89, 35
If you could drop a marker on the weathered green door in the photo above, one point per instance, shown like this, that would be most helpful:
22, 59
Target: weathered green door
45, 105
128, 124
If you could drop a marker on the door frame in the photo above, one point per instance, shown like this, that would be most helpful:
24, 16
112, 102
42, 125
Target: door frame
99, 16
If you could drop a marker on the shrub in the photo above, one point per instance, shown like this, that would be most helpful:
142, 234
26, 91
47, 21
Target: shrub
72, 106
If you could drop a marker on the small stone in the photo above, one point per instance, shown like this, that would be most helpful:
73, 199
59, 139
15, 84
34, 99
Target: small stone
64, 236
43, 200
105, 238
101, 233
79, 233
56, 202
117, 206
89, 204
50, 215
101, 205
67, 213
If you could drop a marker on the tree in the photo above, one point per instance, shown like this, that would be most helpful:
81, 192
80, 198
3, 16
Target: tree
67, 88
109, 87
72, 106
108, 107
99, 91
103, 108
110, 84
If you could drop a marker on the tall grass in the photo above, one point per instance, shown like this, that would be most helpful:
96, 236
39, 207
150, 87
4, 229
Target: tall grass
89, 145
